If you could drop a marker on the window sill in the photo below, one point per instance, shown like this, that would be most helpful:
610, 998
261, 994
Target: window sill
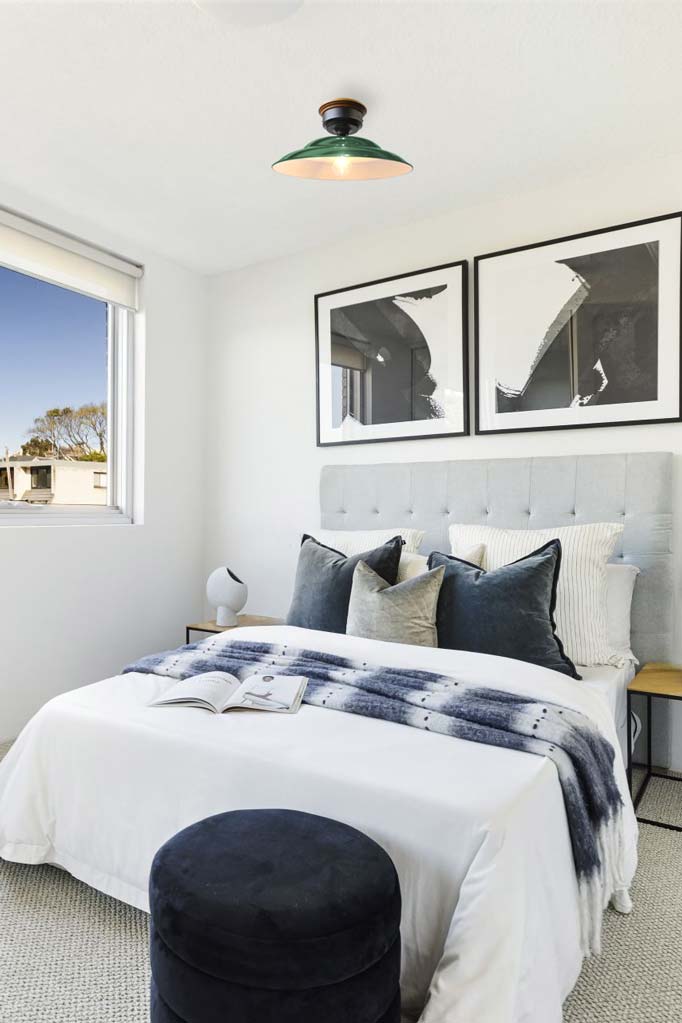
42, 515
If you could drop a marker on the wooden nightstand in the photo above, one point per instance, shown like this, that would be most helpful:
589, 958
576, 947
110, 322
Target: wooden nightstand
656, 680
242, 622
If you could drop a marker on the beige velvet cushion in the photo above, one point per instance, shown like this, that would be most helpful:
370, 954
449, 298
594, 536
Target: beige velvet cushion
417, 564
404, 613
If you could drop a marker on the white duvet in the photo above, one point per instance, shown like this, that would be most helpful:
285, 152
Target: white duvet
98, 781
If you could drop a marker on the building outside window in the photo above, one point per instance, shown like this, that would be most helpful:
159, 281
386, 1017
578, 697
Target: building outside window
66, 352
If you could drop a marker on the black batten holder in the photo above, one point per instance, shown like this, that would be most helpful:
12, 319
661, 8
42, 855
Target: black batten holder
342, 116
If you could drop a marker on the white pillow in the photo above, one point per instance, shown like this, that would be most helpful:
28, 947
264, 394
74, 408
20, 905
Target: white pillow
416, 564
357, 541
620, 585
581, 616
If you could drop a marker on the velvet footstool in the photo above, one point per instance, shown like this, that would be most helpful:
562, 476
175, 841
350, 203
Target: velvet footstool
274, 916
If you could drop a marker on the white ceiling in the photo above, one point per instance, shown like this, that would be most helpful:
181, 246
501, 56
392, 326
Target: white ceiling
159, 120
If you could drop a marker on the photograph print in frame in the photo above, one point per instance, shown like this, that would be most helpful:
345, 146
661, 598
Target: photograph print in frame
580, 331
392, 358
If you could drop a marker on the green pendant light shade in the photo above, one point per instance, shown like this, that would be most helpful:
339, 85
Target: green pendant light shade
342, 157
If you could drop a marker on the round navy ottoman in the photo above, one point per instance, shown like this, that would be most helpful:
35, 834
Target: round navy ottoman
274, 916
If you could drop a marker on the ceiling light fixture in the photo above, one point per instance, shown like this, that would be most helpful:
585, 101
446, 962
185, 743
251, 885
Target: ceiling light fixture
342, 157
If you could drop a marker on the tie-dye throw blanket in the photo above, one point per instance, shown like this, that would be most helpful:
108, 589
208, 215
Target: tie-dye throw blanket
438, 703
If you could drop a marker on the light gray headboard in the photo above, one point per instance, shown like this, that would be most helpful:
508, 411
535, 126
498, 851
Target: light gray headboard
527, 493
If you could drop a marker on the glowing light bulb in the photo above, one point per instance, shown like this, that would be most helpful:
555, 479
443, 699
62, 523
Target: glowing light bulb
341, 165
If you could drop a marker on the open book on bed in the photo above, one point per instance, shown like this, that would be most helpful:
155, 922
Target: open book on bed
218, 691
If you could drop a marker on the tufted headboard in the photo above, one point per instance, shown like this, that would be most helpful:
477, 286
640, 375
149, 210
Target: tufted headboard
528, 493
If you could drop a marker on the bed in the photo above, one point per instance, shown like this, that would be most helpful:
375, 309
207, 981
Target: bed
611, 684
491, 924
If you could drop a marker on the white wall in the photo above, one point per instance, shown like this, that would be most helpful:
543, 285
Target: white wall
264, 464
79, 602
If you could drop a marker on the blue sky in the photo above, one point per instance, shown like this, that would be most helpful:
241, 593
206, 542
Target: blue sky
53, 351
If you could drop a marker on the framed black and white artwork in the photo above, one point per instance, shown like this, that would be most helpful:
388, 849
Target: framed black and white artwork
392, 358
580, 331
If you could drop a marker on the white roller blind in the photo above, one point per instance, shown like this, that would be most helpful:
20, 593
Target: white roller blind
37, 250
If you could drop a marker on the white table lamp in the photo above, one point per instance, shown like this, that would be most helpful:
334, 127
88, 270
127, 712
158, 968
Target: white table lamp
227, 594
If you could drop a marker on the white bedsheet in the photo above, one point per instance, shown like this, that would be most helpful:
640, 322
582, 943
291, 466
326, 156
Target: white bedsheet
98, 781
611, 684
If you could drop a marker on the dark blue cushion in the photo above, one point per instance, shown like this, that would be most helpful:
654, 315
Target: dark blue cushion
275, 898
508, 611
160, 1012
198, 997
324, 579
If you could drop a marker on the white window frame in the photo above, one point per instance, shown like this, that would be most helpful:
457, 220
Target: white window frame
120, 441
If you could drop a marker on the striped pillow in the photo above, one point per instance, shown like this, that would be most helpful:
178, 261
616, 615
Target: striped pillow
581, 594
357, 541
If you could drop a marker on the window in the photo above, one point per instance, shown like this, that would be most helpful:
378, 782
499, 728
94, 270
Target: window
66, 358
41, 477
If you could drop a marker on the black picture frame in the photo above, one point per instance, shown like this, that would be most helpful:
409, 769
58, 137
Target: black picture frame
478, 260
463, 266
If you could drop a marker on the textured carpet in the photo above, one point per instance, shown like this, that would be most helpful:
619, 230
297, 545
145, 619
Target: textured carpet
638, 977
71, 955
